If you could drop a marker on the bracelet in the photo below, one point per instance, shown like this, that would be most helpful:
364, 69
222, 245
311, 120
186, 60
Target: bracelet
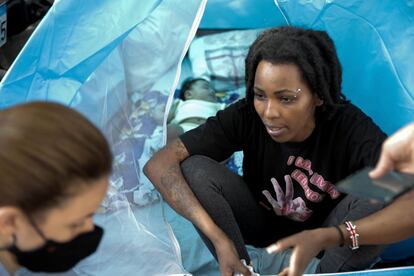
341, 234
354, 236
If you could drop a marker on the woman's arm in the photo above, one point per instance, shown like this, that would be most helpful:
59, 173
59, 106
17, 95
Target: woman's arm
164, 171
391, 224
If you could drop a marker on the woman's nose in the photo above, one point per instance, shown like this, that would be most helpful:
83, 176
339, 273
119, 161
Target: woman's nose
271, 110
88, 226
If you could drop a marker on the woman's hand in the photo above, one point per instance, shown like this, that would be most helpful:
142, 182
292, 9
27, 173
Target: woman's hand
397, 153
228, 259
305, 246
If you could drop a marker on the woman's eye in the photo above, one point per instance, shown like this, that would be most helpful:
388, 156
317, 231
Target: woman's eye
259, 96
286, 100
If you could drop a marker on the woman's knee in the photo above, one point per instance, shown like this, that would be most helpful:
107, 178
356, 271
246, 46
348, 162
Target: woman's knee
362, 207
197, 165
199, 170
351, 208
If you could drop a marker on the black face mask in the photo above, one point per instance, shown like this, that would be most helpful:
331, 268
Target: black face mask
58, 257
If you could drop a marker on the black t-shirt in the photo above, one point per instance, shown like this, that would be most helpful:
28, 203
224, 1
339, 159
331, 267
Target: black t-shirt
296, 180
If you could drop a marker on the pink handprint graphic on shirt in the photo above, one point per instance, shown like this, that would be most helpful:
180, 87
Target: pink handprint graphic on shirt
283, 205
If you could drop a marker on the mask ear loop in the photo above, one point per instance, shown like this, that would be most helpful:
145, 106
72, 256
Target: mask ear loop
37, 229
12, 244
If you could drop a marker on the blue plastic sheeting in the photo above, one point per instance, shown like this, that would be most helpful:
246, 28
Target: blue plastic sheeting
241, 14
64, 51
399, 251
399, 271
374, 40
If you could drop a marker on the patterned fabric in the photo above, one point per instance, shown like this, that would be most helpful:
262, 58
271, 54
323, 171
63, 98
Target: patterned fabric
135, 142
219, 57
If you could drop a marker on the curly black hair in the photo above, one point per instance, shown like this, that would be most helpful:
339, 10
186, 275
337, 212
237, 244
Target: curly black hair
312, 51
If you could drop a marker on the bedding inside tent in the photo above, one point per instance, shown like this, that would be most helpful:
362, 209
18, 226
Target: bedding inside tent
121, 63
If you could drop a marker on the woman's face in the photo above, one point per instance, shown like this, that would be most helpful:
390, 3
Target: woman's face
63, 223
284, 103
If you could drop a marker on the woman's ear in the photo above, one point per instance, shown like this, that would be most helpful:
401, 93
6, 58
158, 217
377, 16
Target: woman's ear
8, 220
318, 101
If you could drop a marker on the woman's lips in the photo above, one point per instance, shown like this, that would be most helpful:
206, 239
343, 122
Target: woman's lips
275, 131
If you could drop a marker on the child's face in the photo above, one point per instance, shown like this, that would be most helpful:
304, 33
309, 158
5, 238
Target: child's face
202, 90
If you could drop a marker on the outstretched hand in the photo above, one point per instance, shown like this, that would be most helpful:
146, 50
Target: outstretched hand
229, 260
397, 153
305, 246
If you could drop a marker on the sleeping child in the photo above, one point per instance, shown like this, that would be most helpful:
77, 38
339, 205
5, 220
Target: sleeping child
197, 102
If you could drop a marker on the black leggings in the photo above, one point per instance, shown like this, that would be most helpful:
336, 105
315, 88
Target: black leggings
228, 201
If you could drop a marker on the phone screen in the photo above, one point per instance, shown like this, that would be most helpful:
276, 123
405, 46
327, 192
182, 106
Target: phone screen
384, 189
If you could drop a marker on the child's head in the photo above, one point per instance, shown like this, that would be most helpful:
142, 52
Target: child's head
197, 89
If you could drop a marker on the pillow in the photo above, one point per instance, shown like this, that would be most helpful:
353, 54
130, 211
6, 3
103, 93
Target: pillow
220, 57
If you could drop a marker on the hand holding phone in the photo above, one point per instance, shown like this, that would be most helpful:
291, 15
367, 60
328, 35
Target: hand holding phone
384, 189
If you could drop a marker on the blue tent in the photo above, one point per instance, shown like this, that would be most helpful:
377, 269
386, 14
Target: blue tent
120, 62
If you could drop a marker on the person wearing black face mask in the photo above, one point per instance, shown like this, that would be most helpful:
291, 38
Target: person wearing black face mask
59, 256
54, 168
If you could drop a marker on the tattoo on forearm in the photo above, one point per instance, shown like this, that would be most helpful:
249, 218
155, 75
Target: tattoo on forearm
180, 151
176, 190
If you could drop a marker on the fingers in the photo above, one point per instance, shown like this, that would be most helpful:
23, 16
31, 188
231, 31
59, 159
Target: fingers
284, 272
384, 165
280, 196
281, 245
289, 188
397, 153
295, 268
297, 265
235, 269
273, 248
241, 270
290, 271
243, 266
271, 200
227, 273
244, 270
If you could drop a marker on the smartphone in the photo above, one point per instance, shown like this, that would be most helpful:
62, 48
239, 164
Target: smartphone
384, 189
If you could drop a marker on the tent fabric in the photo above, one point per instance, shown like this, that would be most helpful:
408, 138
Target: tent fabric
118, 62
241, 14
